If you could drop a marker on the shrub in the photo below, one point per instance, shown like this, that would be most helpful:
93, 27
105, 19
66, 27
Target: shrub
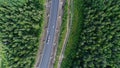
20, 24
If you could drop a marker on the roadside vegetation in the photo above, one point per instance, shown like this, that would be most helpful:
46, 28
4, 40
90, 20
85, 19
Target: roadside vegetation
20, 29
94, 41
74, 34
63, 31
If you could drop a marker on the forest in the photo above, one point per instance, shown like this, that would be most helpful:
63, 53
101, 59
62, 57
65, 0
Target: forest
20, 28
94, 41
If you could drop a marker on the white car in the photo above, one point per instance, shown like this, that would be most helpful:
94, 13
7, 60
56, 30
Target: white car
48, 39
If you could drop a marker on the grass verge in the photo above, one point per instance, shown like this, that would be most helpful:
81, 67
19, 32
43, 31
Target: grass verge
63, 31
74, 33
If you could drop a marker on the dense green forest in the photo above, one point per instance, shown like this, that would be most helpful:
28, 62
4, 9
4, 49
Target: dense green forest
20, 28
94, 41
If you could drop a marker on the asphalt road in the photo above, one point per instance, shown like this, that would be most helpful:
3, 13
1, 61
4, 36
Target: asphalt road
44, 63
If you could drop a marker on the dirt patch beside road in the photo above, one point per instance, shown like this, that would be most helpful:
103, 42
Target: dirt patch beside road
66, 37
43, 33
56, 38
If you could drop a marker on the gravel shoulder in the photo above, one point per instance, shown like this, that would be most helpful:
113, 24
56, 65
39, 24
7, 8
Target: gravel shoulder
66, 37
43, 33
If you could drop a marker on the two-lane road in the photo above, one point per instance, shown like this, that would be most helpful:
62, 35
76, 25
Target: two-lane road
44, 63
